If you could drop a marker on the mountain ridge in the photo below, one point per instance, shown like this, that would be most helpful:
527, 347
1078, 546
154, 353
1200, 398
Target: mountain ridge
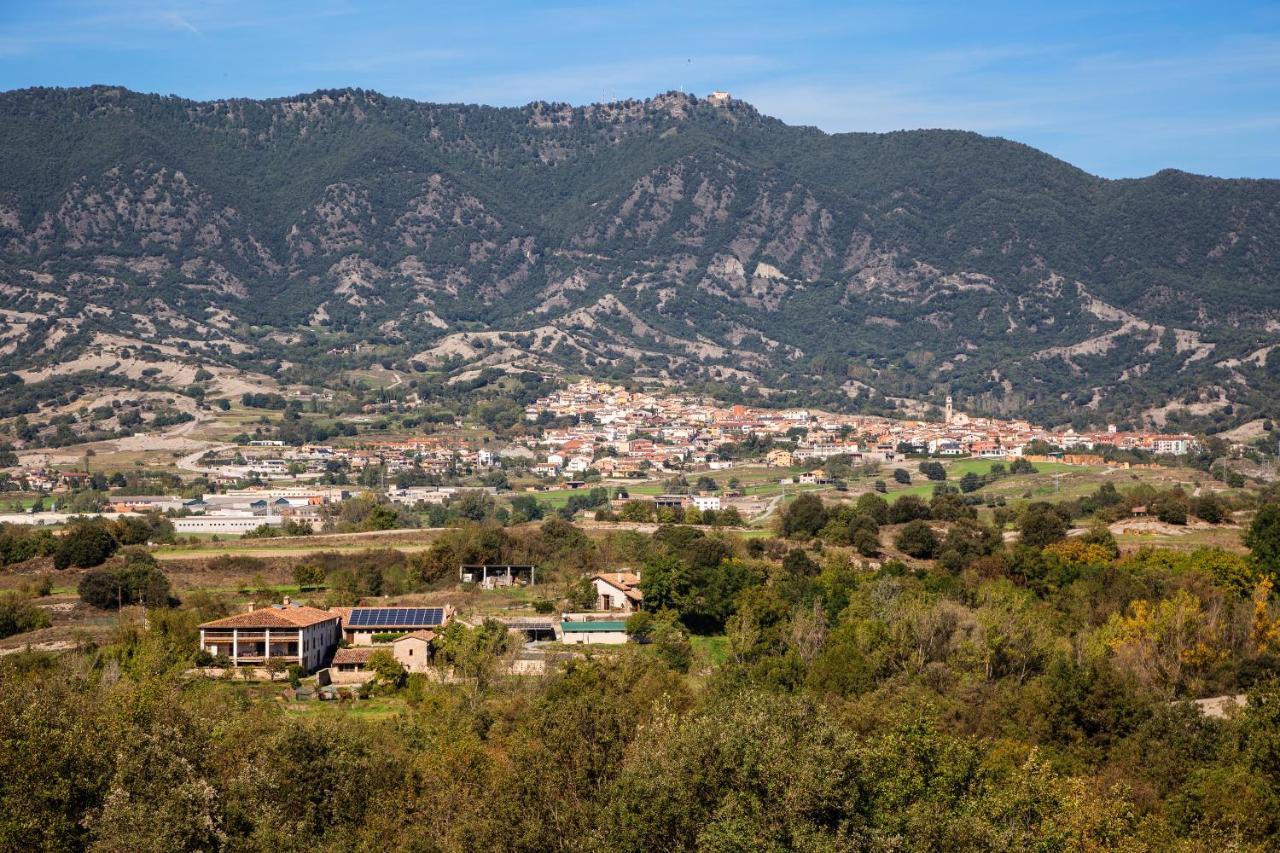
670, 238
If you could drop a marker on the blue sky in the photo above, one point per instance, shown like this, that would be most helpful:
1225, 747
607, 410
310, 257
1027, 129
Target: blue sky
1121, 89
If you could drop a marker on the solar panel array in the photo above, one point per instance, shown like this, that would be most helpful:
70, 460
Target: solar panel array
396, 617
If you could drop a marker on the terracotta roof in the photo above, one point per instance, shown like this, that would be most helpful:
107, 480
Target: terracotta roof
425, 636
627, 582
622, 580
275, 616
357, 654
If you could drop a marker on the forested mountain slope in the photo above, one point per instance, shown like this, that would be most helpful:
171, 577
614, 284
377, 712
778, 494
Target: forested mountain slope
673, 238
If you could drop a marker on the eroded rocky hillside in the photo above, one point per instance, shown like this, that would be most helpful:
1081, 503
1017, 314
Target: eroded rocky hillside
672, 238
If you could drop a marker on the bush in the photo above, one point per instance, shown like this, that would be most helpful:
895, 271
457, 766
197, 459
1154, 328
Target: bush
1022, 466
18, 615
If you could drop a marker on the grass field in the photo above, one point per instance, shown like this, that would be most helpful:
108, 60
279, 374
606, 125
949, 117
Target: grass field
714, 650
1052, 481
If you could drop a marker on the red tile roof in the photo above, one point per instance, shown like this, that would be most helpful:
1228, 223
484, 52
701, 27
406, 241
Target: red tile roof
276, 616
357, 654
425, 636
627, 582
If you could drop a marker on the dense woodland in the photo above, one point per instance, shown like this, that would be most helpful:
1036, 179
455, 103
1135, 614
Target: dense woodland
782, 693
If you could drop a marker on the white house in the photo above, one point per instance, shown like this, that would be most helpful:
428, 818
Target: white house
618, 591
287, 631
578, 464
706, 502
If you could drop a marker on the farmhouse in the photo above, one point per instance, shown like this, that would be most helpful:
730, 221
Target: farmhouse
290, 632
618, 591
412, 651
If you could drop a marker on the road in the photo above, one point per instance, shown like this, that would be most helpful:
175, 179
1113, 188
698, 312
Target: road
190, 462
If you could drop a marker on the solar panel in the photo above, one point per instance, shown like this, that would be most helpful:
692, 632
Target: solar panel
396, 617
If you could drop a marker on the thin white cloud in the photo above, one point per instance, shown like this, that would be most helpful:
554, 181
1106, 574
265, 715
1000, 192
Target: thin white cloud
178, 22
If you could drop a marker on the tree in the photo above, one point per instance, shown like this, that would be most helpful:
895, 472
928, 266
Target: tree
669, 638
966, 541
908, 508
102, 588
473, 653
84, 545
526, 507
803, 517
1170, 508
873, 506
389, 670
1208, 508
798, 564
275, 666
865, 542
901, 475
917, 539
309, 575
144, 582
1263, 539
1022, 466
933, 470
582, 595
137, 579
1042, 524
1162, 643
635, 510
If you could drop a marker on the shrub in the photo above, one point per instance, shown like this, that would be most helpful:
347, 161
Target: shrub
18, 615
